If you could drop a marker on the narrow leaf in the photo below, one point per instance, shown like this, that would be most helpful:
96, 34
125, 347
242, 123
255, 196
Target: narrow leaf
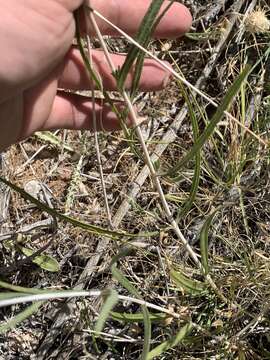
183, 282
10, 295
204, 241
169, 344
49, 137
19, 289
131, 318
44, 261
232, 92
142, 37
197, 168
141, 55
118, 275
91, 228
110, 302
16, 320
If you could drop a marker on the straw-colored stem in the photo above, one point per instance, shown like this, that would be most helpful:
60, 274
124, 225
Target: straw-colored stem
94, 117
54, 295
148, 161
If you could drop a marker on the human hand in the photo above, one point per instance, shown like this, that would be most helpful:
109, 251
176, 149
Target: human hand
37, 59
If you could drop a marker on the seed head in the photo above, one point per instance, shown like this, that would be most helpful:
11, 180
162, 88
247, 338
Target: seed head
257, 22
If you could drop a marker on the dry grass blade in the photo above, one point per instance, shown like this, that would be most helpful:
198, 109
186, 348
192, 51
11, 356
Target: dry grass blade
52, 212
100, 168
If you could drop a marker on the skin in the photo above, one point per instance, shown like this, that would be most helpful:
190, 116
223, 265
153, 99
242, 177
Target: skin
37, 59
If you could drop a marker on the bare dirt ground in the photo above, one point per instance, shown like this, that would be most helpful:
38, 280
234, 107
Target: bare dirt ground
233, 184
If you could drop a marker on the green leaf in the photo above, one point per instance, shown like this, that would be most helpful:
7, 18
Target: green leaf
232, 92
91, 228
119, 276
193, 287
10, 295
142, 37
198, 36
134, 318
20, 289
141, 55
44, 261
197, 168
16, 320
169, 344
204, 241
49, 137
110, 301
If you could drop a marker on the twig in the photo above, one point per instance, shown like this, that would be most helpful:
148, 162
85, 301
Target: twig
39, 225
253, 323
53, 295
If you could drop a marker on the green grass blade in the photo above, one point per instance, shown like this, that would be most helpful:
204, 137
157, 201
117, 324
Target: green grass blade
16, 320
45, 262
141, 55
51, 138
110, 301
189, 285
137, 74
19, 289
118, 275
91, 228
138, 317
169, 344
10, 295
232, 92
204, 241
197, 169
142, 37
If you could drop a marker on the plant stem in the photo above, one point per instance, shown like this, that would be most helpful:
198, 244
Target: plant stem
100, 168
150, 165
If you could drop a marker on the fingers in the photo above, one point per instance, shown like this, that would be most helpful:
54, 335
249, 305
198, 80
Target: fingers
75, 112
70, 111
75, 75
71, 5
128, 14
47, 109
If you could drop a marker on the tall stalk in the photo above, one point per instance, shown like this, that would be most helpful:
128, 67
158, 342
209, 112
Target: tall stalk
148, 161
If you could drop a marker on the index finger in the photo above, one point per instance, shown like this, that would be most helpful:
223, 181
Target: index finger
127, 15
